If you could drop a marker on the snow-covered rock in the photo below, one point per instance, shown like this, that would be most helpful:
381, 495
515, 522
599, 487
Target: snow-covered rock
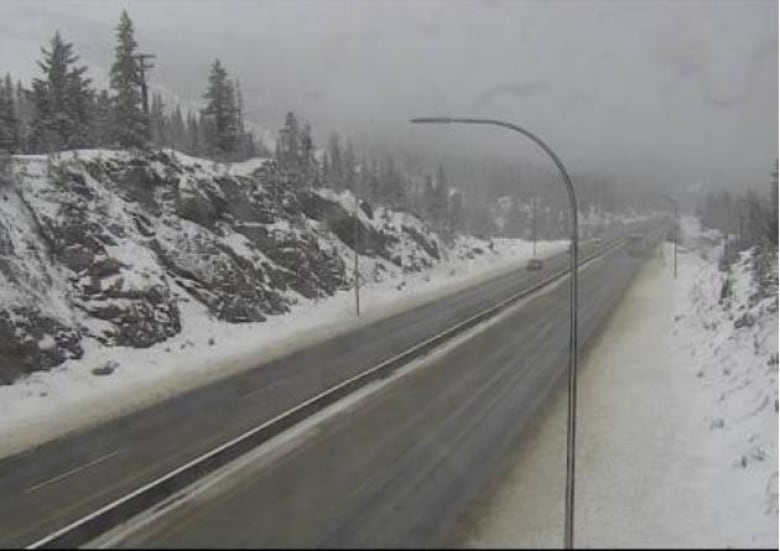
105, 246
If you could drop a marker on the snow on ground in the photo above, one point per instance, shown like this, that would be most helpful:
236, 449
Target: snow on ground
45, 404
677, 427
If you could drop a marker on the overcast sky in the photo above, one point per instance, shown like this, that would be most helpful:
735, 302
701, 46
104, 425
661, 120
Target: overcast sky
666, 93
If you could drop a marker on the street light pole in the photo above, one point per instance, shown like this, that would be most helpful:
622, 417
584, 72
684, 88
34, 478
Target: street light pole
676, 208
535, 209
572, 372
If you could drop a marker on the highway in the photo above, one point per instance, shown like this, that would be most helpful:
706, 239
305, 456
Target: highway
395, 473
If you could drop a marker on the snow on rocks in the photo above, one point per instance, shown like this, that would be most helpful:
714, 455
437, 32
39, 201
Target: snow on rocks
160, 265
99, 244
42, 405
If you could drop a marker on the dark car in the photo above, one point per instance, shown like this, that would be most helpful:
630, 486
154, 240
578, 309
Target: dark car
534, 264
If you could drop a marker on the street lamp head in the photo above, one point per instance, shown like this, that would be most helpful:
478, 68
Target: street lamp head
432, 120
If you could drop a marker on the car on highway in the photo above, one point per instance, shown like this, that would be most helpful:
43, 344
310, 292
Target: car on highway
534, 264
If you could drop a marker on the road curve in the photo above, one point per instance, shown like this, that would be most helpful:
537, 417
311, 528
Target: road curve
50, 486
397, 469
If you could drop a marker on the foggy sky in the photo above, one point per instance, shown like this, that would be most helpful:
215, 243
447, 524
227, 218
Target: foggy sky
662, 93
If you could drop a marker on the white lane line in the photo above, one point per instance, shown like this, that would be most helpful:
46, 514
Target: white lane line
100, 459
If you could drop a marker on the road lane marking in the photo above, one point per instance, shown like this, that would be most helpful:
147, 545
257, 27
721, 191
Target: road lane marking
57, 478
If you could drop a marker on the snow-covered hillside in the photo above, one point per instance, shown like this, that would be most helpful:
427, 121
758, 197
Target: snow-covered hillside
104, 246
677, 420
126, 278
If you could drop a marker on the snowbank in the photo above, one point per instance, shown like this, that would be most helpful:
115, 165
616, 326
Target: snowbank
677, 425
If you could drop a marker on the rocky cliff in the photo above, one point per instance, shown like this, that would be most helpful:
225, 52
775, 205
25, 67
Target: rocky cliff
104, 245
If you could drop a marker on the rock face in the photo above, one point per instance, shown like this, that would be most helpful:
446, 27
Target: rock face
103, 245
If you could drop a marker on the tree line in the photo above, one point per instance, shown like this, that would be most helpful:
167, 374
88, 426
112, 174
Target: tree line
376, 178
62, 110
747, 218
748, 223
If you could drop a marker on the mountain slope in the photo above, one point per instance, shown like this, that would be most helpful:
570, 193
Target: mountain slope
105, 246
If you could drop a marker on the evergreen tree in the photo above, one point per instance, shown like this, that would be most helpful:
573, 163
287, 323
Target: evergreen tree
24, 112
288, 144
194, 142
295, 154
439, 199
374, 185
334, 156
773, 208
178, 130
455, 212
392, 191
307, 162
325, 170
9, 124
103, 119
348, 167
62, 100
130, 128
220, 117
239, 108
158, 125
428, 198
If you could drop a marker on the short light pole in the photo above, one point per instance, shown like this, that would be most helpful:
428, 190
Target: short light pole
535, 208
572, 372
676, 209
356, 231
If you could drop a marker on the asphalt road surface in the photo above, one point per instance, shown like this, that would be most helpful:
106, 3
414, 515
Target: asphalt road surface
398, 469
393, 475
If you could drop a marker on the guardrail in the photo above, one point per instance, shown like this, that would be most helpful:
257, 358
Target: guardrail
121, 510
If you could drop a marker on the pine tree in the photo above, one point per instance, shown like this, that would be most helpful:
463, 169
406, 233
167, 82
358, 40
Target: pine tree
178, 130
24, 112
438, 199
325, 170
393, 192
348, 166
239, 108
103, 119
455, 212
334, 155
773, 207
9, 123
62, 100
246, 148
194, 142
288, 144
307, 161
428, 198
130, 128
158, 123
220, 115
